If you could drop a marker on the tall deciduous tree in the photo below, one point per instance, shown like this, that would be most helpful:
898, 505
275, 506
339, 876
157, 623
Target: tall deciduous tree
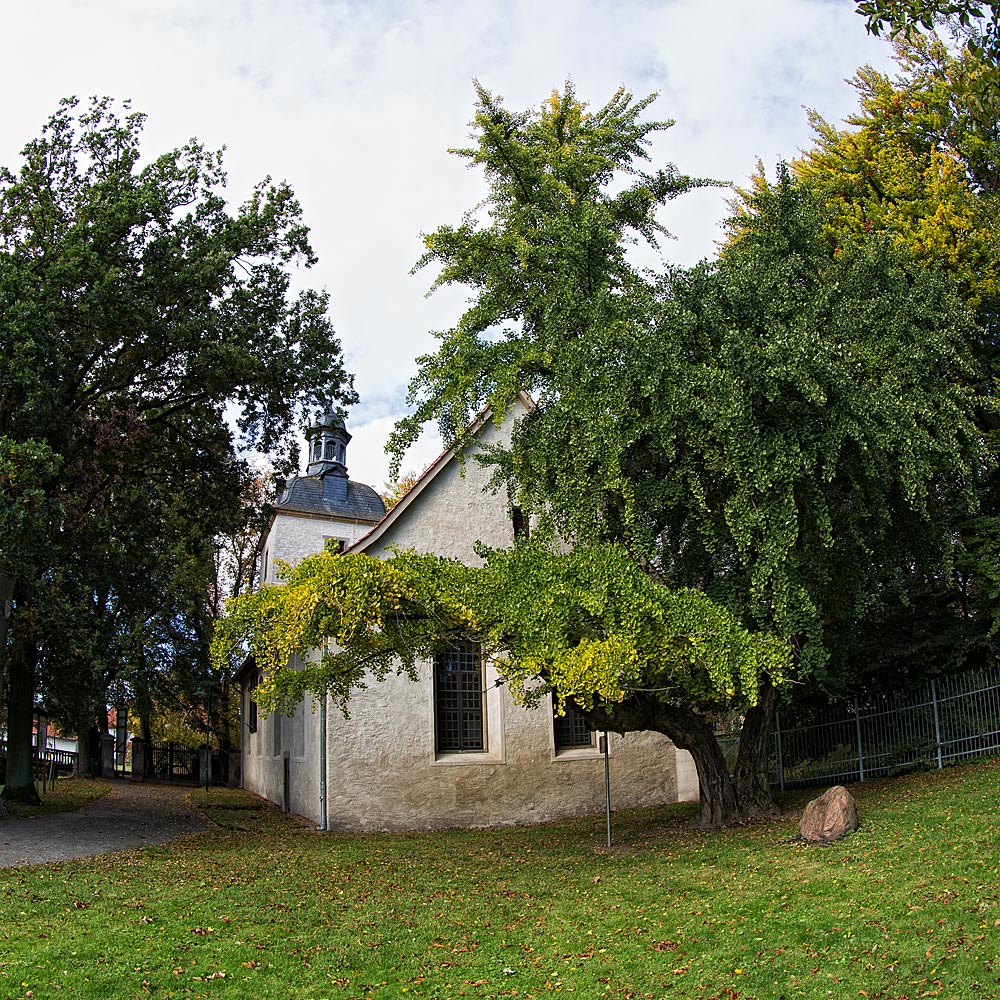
919, 163
977, 20
780, 429
136, 307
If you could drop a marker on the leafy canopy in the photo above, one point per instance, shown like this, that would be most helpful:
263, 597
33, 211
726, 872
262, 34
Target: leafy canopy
587, 624
920, 163
138, 310
905, 17
549, 267
750, 427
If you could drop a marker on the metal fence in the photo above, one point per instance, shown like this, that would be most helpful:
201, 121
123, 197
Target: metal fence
949, 719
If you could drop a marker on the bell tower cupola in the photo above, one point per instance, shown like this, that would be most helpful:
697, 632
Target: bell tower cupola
328, 440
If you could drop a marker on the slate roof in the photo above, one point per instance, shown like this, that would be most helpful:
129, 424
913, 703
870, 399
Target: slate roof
305, 494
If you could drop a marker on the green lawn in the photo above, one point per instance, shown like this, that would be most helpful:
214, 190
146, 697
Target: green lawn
264, 907
68, 795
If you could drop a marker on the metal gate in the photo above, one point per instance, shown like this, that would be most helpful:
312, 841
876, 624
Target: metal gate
171, 762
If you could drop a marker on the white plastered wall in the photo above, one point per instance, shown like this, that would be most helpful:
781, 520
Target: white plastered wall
294, 536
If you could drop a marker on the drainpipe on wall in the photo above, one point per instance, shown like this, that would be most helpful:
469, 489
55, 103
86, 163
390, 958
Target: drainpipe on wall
322, 762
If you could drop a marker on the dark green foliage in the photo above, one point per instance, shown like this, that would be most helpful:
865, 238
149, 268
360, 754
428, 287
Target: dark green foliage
918, 165
549, 268
904, 17
787, 428
135, 308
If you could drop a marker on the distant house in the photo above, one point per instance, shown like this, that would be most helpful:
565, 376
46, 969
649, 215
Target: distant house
451, 749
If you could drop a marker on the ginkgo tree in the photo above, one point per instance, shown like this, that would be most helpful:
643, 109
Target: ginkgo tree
778, 432
918, 163
781, 428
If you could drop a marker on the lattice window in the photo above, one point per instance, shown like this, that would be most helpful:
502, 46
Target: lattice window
571, 730
459, 700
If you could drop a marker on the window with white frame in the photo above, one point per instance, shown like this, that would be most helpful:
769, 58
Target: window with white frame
459, 700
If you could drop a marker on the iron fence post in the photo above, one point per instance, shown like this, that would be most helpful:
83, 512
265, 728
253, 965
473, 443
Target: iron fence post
937, 722
861, 755
781, 760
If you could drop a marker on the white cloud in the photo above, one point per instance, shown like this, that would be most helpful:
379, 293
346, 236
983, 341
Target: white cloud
356, 104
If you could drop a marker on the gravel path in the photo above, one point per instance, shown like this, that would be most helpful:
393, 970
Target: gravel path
131, 815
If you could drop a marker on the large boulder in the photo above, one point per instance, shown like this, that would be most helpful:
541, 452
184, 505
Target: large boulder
832, 816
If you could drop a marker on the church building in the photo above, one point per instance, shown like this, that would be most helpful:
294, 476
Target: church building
450, 749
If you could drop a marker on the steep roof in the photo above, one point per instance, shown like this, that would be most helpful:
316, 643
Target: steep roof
305, 495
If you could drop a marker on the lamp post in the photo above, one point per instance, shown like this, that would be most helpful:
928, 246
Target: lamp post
206, 693
208, 735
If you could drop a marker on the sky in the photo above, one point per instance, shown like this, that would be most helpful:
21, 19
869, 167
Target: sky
356, 104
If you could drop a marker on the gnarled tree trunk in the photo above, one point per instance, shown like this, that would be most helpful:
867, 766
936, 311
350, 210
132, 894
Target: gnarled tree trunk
750, 777
687, 730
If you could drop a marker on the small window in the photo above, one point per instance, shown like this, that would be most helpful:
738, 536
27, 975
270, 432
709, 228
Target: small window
334, 544
317, 450
328, 450
520, 524
252, 708
571, 732
459, 699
